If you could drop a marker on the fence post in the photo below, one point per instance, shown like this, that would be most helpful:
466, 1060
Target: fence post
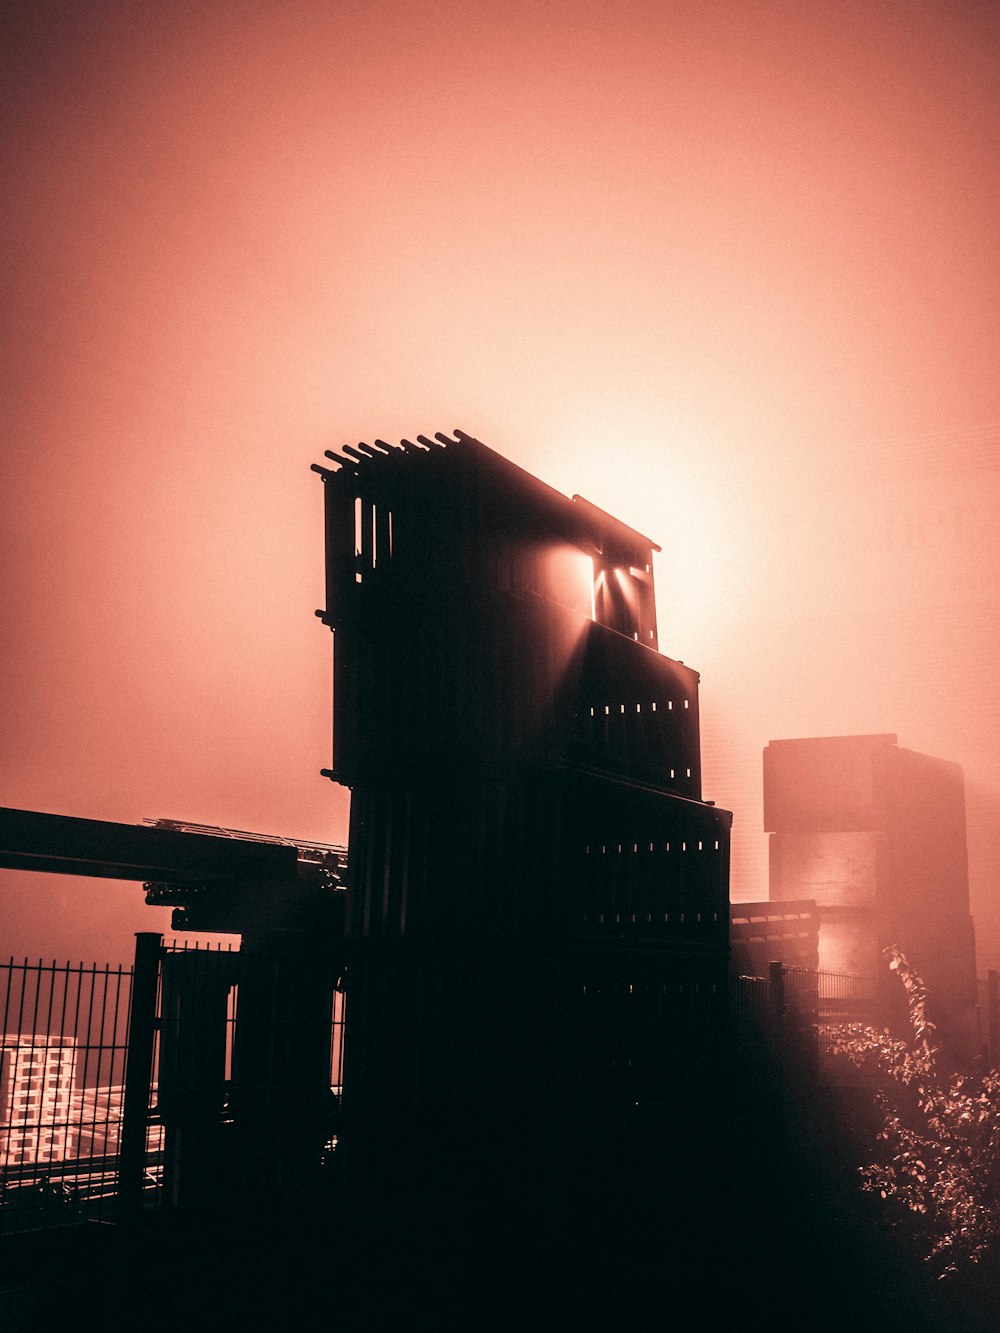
138, 1073
993, 1017
776, 997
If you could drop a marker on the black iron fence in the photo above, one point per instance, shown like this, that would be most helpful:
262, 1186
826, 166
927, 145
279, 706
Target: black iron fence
788, 1016
246, 1060
198, 1077
989, 1016
63, 1047
194, 1075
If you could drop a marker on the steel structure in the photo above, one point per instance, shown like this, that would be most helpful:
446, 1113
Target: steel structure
538, 893
265, 1098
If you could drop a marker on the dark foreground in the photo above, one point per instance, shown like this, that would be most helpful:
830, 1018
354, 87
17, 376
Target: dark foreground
709, 1226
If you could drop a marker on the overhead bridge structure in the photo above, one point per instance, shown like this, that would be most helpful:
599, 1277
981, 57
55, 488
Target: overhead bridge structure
216, 879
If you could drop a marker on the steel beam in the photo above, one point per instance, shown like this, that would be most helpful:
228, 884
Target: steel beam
65, 845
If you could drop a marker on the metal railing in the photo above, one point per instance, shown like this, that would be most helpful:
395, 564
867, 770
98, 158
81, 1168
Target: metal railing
788, 1014
63, 1046
204, 1076
988, 996
195, 1075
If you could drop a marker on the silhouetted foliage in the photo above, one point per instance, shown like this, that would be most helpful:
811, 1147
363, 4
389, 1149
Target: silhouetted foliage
936, 1160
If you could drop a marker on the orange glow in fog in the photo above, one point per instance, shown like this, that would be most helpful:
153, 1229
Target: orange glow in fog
723, 269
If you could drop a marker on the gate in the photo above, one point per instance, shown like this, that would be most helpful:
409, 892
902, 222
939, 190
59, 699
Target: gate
196, 1079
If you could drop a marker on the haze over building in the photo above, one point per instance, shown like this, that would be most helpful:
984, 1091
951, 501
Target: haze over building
726, 267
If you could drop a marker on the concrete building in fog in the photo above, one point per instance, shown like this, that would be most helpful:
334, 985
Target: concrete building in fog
887, 581
875, 835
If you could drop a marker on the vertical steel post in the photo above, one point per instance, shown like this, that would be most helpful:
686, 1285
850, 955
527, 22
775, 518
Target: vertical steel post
776, 999
138, 1073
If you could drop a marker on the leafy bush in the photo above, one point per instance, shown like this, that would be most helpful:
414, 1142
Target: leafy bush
936, 1160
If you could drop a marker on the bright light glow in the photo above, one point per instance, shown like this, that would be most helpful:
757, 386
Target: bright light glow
778, 377
568, 578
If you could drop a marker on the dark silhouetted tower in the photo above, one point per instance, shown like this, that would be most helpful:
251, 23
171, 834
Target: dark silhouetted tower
538, 895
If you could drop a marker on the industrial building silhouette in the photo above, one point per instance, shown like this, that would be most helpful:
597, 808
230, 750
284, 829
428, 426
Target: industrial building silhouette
524, 949
538, 894
527, 938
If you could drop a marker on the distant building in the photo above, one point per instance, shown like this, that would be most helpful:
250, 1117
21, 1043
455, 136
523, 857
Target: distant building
875, 835
37, 1080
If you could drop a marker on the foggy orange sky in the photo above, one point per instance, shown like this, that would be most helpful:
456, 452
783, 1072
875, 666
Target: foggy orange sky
729, 270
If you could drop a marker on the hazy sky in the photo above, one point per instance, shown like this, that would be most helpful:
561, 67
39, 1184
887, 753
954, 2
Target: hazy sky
728, 269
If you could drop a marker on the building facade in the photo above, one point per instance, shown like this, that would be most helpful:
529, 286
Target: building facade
37, 1089
875, 835
537, 892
